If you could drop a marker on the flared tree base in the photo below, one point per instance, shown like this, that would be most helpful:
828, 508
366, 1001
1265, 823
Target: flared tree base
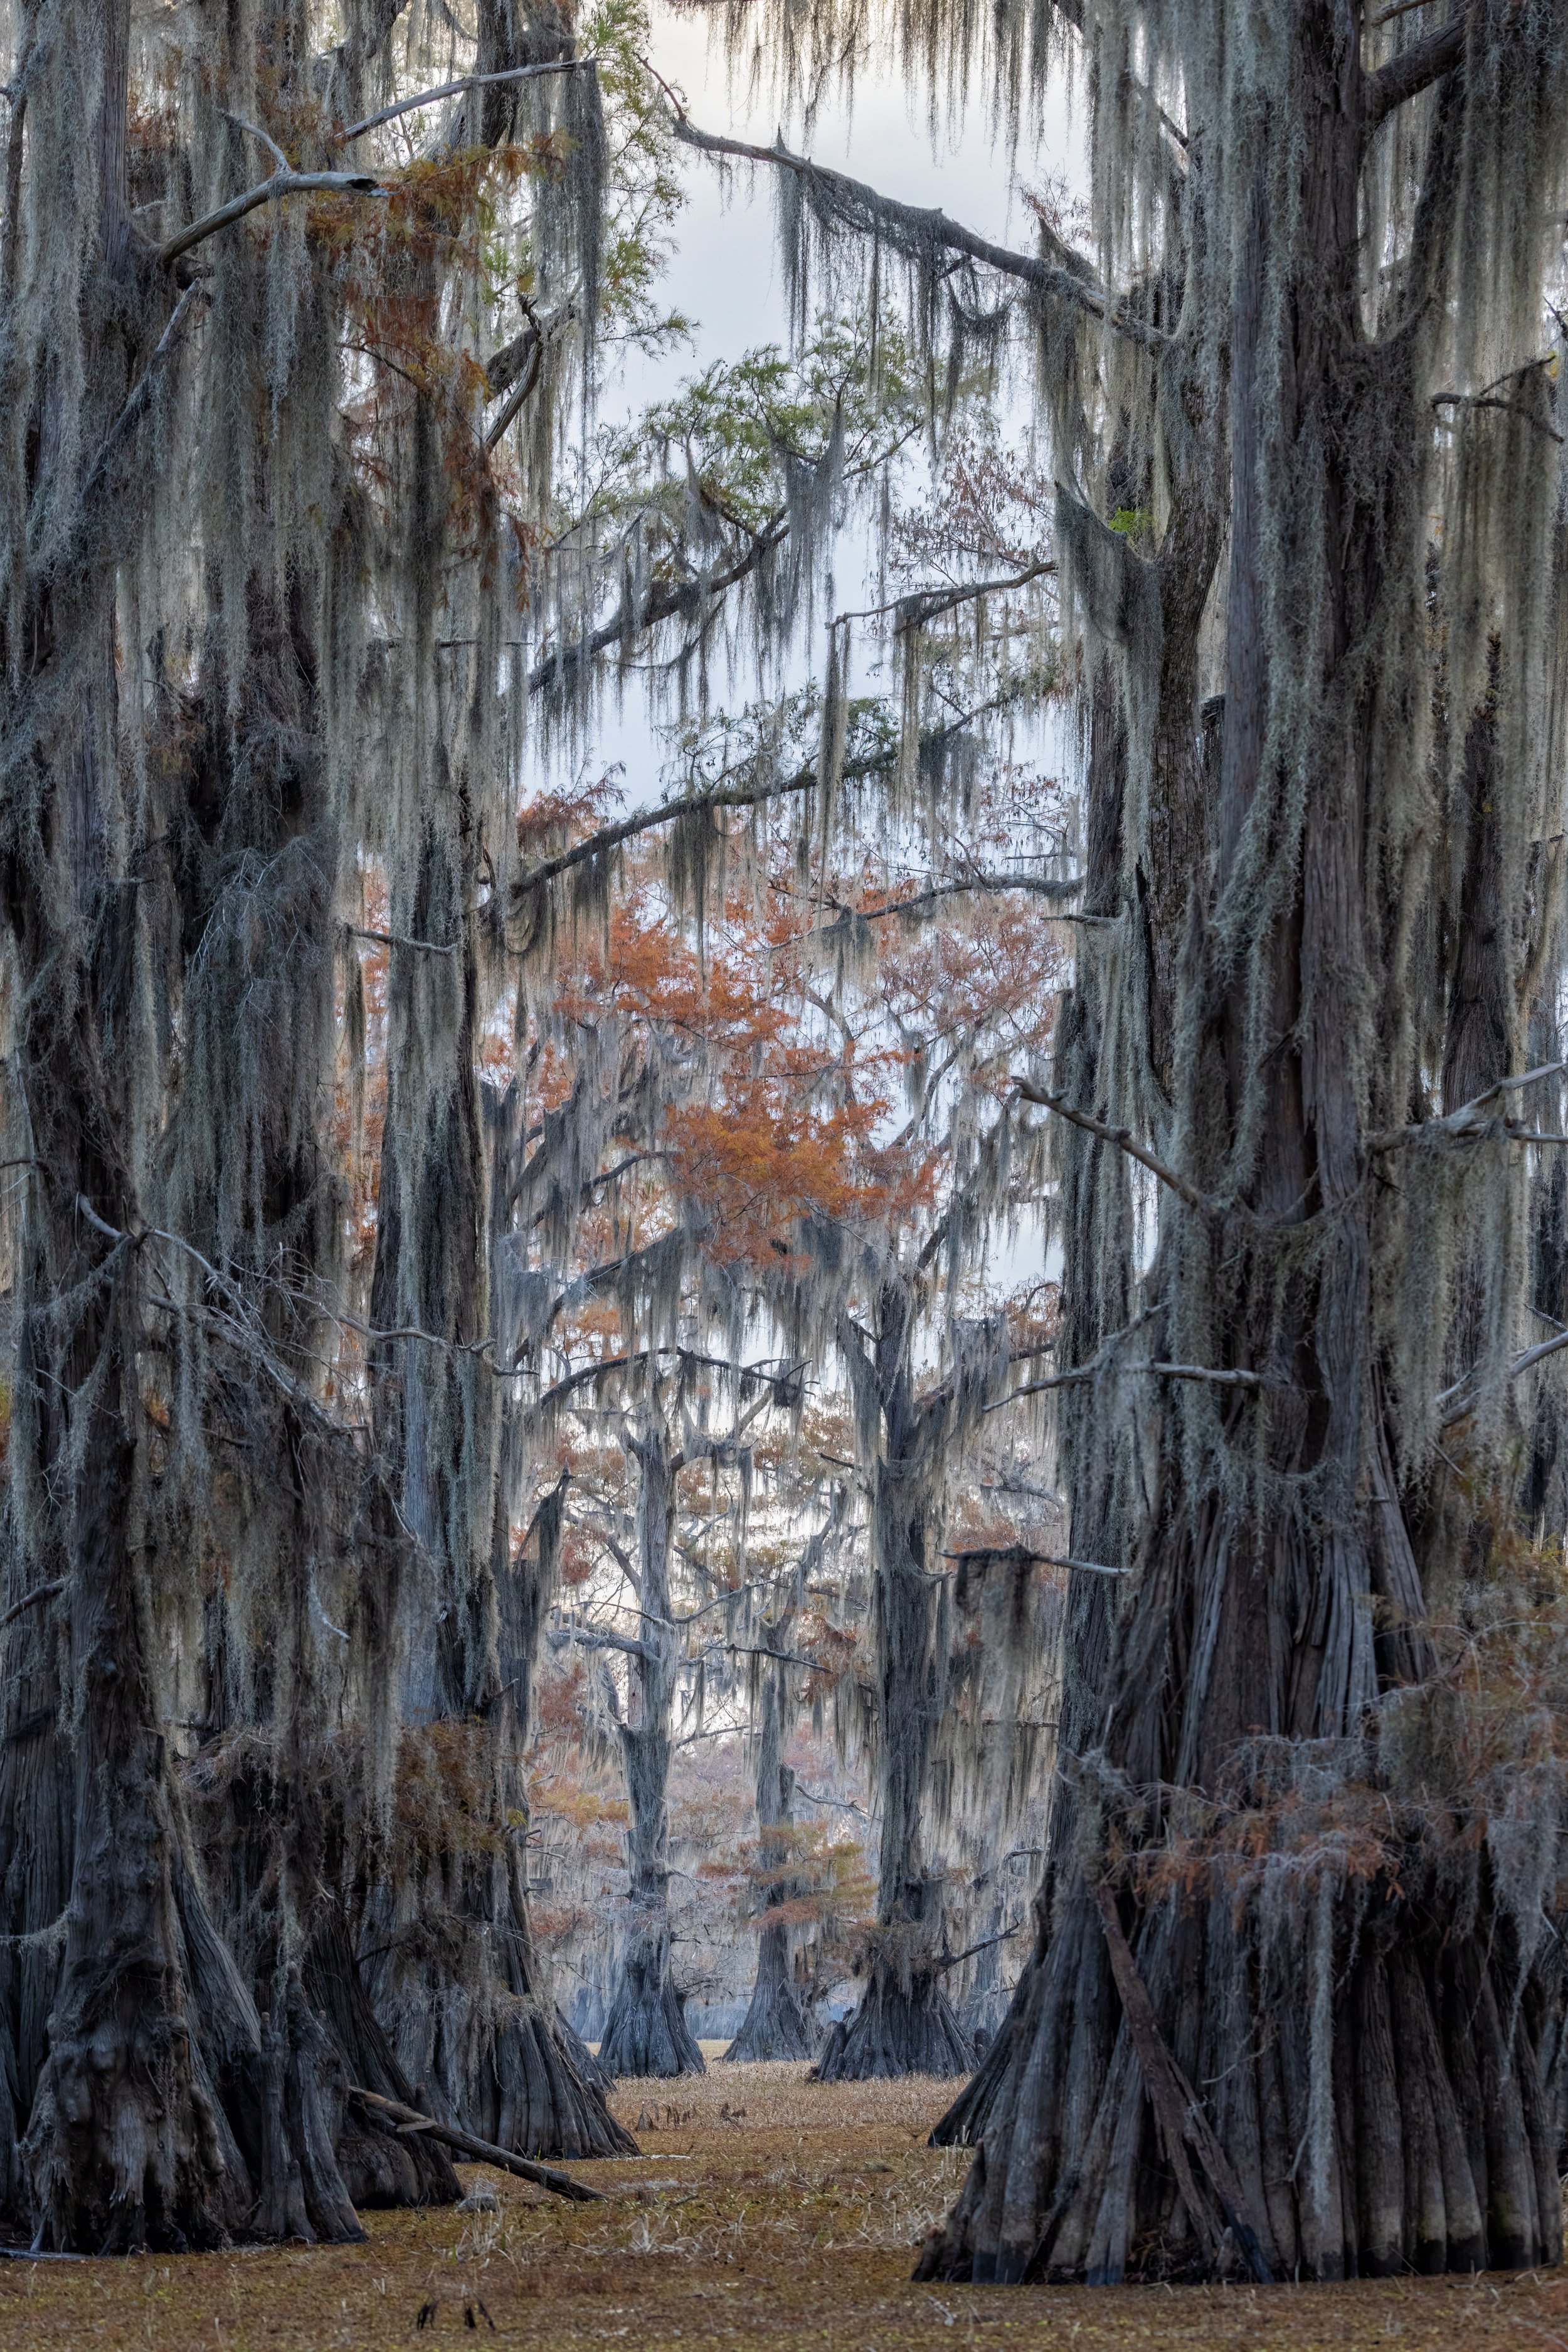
499, 2062
381, 2166
646, 2032
776, 2024
532, 2092
902, 2027
1370, 2102
964, 2124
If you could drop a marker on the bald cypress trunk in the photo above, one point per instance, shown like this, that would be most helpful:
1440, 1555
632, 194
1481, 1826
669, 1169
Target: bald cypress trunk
775, 2025
1316, 2066
645, 2032
904, 2024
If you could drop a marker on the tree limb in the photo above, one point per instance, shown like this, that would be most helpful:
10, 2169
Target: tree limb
924, 604
589, 1638
1043, 886
721, 796
450, 89
922, 229
1124, 1140
1467, 1122
1414, 70
397, 939
31, 1599
664, 605
1457, 1402
281, 183
984, 1553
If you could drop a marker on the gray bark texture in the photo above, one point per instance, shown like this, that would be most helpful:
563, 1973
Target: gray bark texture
645, 2032
776, 2024
904, 2024
1323, 2067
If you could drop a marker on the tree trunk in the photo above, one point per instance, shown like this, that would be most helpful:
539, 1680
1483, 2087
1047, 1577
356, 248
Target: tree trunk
905, 2023
1364, 2023
127, 2145
645, 2032
775, 2025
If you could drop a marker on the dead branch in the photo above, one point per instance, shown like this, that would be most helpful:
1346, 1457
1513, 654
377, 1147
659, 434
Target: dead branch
1468, 1122
408, 2120
1184, 2124
451, 89
1124, 1138
1457, 1404
282, 183
983, 1555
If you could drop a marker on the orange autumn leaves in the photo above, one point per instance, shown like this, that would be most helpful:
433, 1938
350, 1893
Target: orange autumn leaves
793, 1106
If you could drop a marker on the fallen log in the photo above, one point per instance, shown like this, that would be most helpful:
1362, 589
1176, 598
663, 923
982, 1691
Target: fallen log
407, 2120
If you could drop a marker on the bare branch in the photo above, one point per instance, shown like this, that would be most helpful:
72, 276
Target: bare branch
396, 939
1043, 886
1124, 1140
256, 131
450, 89
31, 1599
923, 228
610, 836
1466, 1123
1414, 70
587, 1638
195, 298
984, 1554
1457, 1404
924, 604
281, 183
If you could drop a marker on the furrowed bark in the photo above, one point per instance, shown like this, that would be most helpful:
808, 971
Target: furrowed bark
645, 2032
904, 2024
1374, 2075
775, 2025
